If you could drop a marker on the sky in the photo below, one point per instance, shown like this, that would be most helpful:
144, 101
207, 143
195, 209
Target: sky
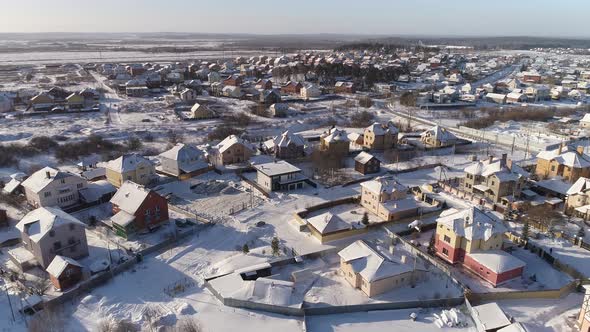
563, 18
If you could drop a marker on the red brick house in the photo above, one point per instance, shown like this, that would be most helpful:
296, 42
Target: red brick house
344, 87
137, 209
64, 272
531, 77
473, 238
366, 163
233, 80
292, 88
263, 84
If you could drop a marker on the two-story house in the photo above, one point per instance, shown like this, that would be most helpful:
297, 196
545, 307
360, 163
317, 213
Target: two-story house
473, 238
130, 167
286, 146
279, 175
183, 161
566, 162
232, 150
578, 199
380, 137
47, 232
52, 187
335, 141
438, 136
366, 163
388, 199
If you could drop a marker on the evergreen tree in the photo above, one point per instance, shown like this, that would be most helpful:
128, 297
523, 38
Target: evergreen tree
245, 249
526, 231
365, 219
274, 245
431, 244
581, 232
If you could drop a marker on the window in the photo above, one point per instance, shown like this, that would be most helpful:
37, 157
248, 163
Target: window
552, 168
56, 245
447, 239
47, 194
72, 227
63, 181
445, 252
51, 233
79, 185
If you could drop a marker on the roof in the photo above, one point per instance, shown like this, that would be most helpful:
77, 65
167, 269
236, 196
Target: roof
440, 134
231, 140
498, 261
40, 221
491, 316
284, 140
276, 168
370, 264
130, 196
499, 168
472, 223
580, 186
586, 118
568, 157
364, 157
335, 135
126, 163
328, 223
122, 218
39, 180
188, 157
383, 184
380, 129
556, 185
59, 264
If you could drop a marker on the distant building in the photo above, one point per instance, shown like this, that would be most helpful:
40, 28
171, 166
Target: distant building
366, 163
310, 90
200, 111
335, 141
344, 87
438, 137
286, 146
380, 137
232, 150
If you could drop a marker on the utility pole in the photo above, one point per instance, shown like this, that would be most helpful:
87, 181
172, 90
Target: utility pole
9, 301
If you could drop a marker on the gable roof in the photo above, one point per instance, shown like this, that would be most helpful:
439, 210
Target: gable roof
568, 157
59, 264
37, 223
39, 180
580, 186
285, 139
384, 184
231, 140
335, 135
328, 223
472, 223
380, 129
127, 162
364, 157
130, 197
440, 134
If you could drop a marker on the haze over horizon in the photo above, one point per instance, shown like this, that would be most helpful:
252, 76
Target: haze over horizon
379, 17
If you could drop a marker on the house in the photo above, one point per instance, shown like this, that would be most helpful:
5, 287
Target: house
200, 111
90, 95
329, 227
183, 161
47, 232
310, 90
232, 150
344, 87
233, 80
537, 93
137, 91
585, 122
269, 97
292, 88
565, 162
515, 98
64, 272
214, 77
14, 186
75, 101
130, 167
380, 137
188, 95
263, 84
584, 315
494, 179
279, 175
58, 94
387, 199
232, 91
375, 273
473, 238
531, 77
497, 98
279, 110
366, 163
438, 136
137, 209
42, 102
286, 146
578, 199
52, 187
335, 141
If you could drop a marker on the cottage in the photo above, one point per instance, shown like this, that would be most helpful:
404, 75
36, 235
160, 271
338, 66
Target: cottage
183, 161
566, 162
130, 167
200, 111
232, 150
366, 163
64, 272
380, 137
292, 88
279, 175
213, 77
387, 199
473, 238
188, 95
269, 97
263, 84
286, 146
515, 98
310, 90
47, 232
578, 199
42, 102
375, 273
329, 227
137, 209
233, 80
344, 87
438, 136
232, 91
52, 187
75, 101
497, 98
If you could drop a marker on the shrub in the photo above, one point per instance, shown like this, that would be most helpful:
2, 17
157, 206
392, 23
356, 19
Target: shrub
361, 119
223, 131
366, 102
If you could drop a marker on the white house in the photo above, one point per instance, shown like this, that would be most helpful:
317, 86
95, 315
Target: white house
52, 187
310, 91
279, 175
182, 159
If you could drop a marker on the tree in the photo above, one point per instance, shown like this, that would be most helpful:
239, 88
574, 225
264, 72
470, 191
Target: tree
365, 219
134, 144
431, 244
245, 248
274, 245
581, 232
365, 101
525, 231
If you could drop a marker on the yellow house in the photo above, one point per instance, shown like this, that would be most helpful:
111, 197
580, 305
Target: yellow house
388, 199
438, 137
565, 162
584, 315
380, 137
130, 167
375, 273
199, 111
578, 199
335, 141
75, 100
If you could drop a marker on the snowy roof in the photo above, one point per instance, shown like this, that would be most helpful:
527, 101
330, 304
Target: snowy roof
285, 139
586, 118
126, 163
472, 223
122, 218
59, 264
335, 135
491, 316
580, 186
440, 134
230, 141
568, 157
130, 196
498, 261
40, 221
499, 168
39, 180
370, 264
383, 184
328, 223
276, 168
380, 129
363, 157
555, 184
181, 152
11, 186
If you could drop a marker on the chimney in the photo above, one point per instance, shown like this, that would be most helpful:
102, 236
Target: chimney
580, 150
403, 259
561, 148
491, 158
503, 161
47, 175
391, 248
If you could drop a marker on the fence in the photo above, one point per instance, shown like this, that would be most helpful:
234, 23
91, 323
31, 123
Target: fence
520, 295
